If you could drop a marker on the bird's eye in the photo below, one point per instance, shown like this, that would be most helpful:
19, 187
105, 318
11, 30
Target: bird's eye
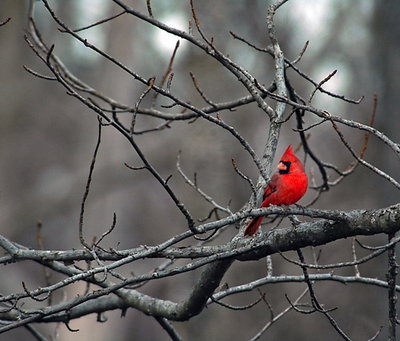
284, 167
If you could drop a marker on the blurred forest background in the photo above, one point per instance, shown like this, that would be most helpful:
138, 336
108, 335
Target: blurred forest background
47, 140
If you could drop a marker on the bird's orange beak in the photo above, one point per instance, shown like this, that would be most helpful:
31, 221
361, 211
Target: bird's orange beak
282, 166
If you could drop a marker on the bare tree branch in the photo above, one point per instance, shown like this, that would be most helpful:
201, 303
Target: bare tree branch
115, 277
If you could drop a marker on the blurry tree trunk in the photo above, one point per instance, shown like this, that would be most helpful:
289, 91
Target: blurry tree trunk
385, 71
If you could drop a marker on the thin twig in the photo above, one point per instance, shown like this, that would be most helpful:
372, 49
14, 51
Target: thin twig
246, 178
149, 9
7, 20
97, 23
167, 74
201, 92
196, 187
162, 126
392, 297
38, 336
106, 233
362, 161
354, 263
318, 86
277, 317
371, 124
234, 307
301, 54
87, 188
353, 251
141, 97
46, 272
36, 74
315, 303
168, 327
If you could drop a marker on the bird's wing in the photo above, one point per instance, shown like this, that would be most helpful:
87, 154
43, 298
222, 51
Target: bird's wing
271, 186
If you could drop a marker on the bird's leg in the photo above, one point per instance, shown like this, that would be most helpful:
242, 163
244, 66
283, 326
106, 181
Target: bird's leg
294, 220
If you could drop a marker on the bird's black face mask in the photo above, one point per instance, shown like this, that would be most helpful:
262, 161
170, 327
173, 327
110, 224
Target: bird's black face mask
284, 167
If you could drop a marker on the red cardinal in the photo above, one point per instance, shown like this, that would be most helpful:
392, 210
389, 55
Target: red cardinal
286, 187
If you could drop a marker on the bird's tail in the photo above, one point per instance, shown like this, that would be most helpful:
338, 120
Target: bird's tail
253, 226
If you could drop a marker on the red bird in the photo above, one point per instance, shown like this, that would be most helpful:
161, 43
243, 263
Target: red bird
286, 187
